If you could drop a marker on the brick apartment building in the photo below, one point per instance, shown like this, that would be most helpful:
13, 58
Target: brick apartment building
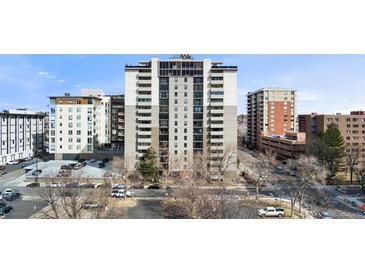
269, 111
351, 126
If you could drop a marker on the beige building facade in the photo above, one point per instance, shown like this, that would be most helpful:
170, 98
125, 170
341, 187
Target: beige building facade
180, 107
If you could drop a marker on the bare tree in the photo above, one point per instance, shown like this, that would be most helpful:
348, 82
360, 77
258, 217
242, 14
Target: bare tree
311, 171
193, 201
259, 172
360, 179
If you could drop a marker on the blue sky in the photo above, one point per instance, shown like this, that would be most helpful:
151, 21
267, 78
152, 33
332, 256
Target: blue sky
325, 83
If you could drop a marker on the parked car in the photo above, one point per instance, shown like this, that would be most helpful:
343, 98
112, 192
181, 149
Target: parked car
105, 160
129, 193
5, 209
279, 167
271, 212
27, 159
81, 160
118, 193
72, 184
11, 196
87, 186
92, 160
2, 167
91, 205
101, 165
54, 185
119, 186
33, 184
102, 186
10, 190
65, 167
14, 162
2, 204
154, 186
79, 165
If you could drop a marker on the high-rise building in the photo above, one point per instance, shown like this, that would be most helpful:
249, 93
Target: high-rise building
269, 111
117, 122
79, 124
181, 107
21, 134
351, 126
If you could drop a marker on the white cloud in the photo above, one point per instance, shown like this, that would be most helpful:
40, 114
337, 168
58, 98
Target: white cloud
43, 73
47, 74
61, 80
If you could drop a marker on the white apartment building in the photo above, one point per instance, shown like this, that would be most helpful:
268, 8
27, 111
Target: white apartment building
21, 134
181, 107
79, 124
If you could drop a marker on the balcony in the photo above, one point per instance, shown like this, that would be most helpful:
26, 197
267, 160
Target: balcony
144, 88
143, 132
144, 110
216, 133
142, 118
145, 140
216, 125
142, 82
216, 104
144, 147
144, 74
144, 103
217, 82
217, 110
143, 125
213, 118
216, 140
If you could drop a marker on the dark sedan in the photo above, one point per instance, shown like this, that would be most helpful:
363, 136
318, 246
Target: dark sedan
11, 196
5, 209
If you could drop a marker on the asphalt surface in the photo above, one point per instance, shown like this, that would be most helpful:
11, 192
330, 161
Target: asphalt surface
146, 209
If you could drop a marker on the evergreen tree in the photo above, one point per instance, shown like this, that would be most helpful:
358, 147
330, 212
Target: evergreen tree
148, 166
329, 148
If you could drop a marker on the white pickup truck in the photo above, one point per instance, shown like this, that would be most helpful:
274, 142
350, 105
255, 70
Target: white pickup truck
121, 193
271, 212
